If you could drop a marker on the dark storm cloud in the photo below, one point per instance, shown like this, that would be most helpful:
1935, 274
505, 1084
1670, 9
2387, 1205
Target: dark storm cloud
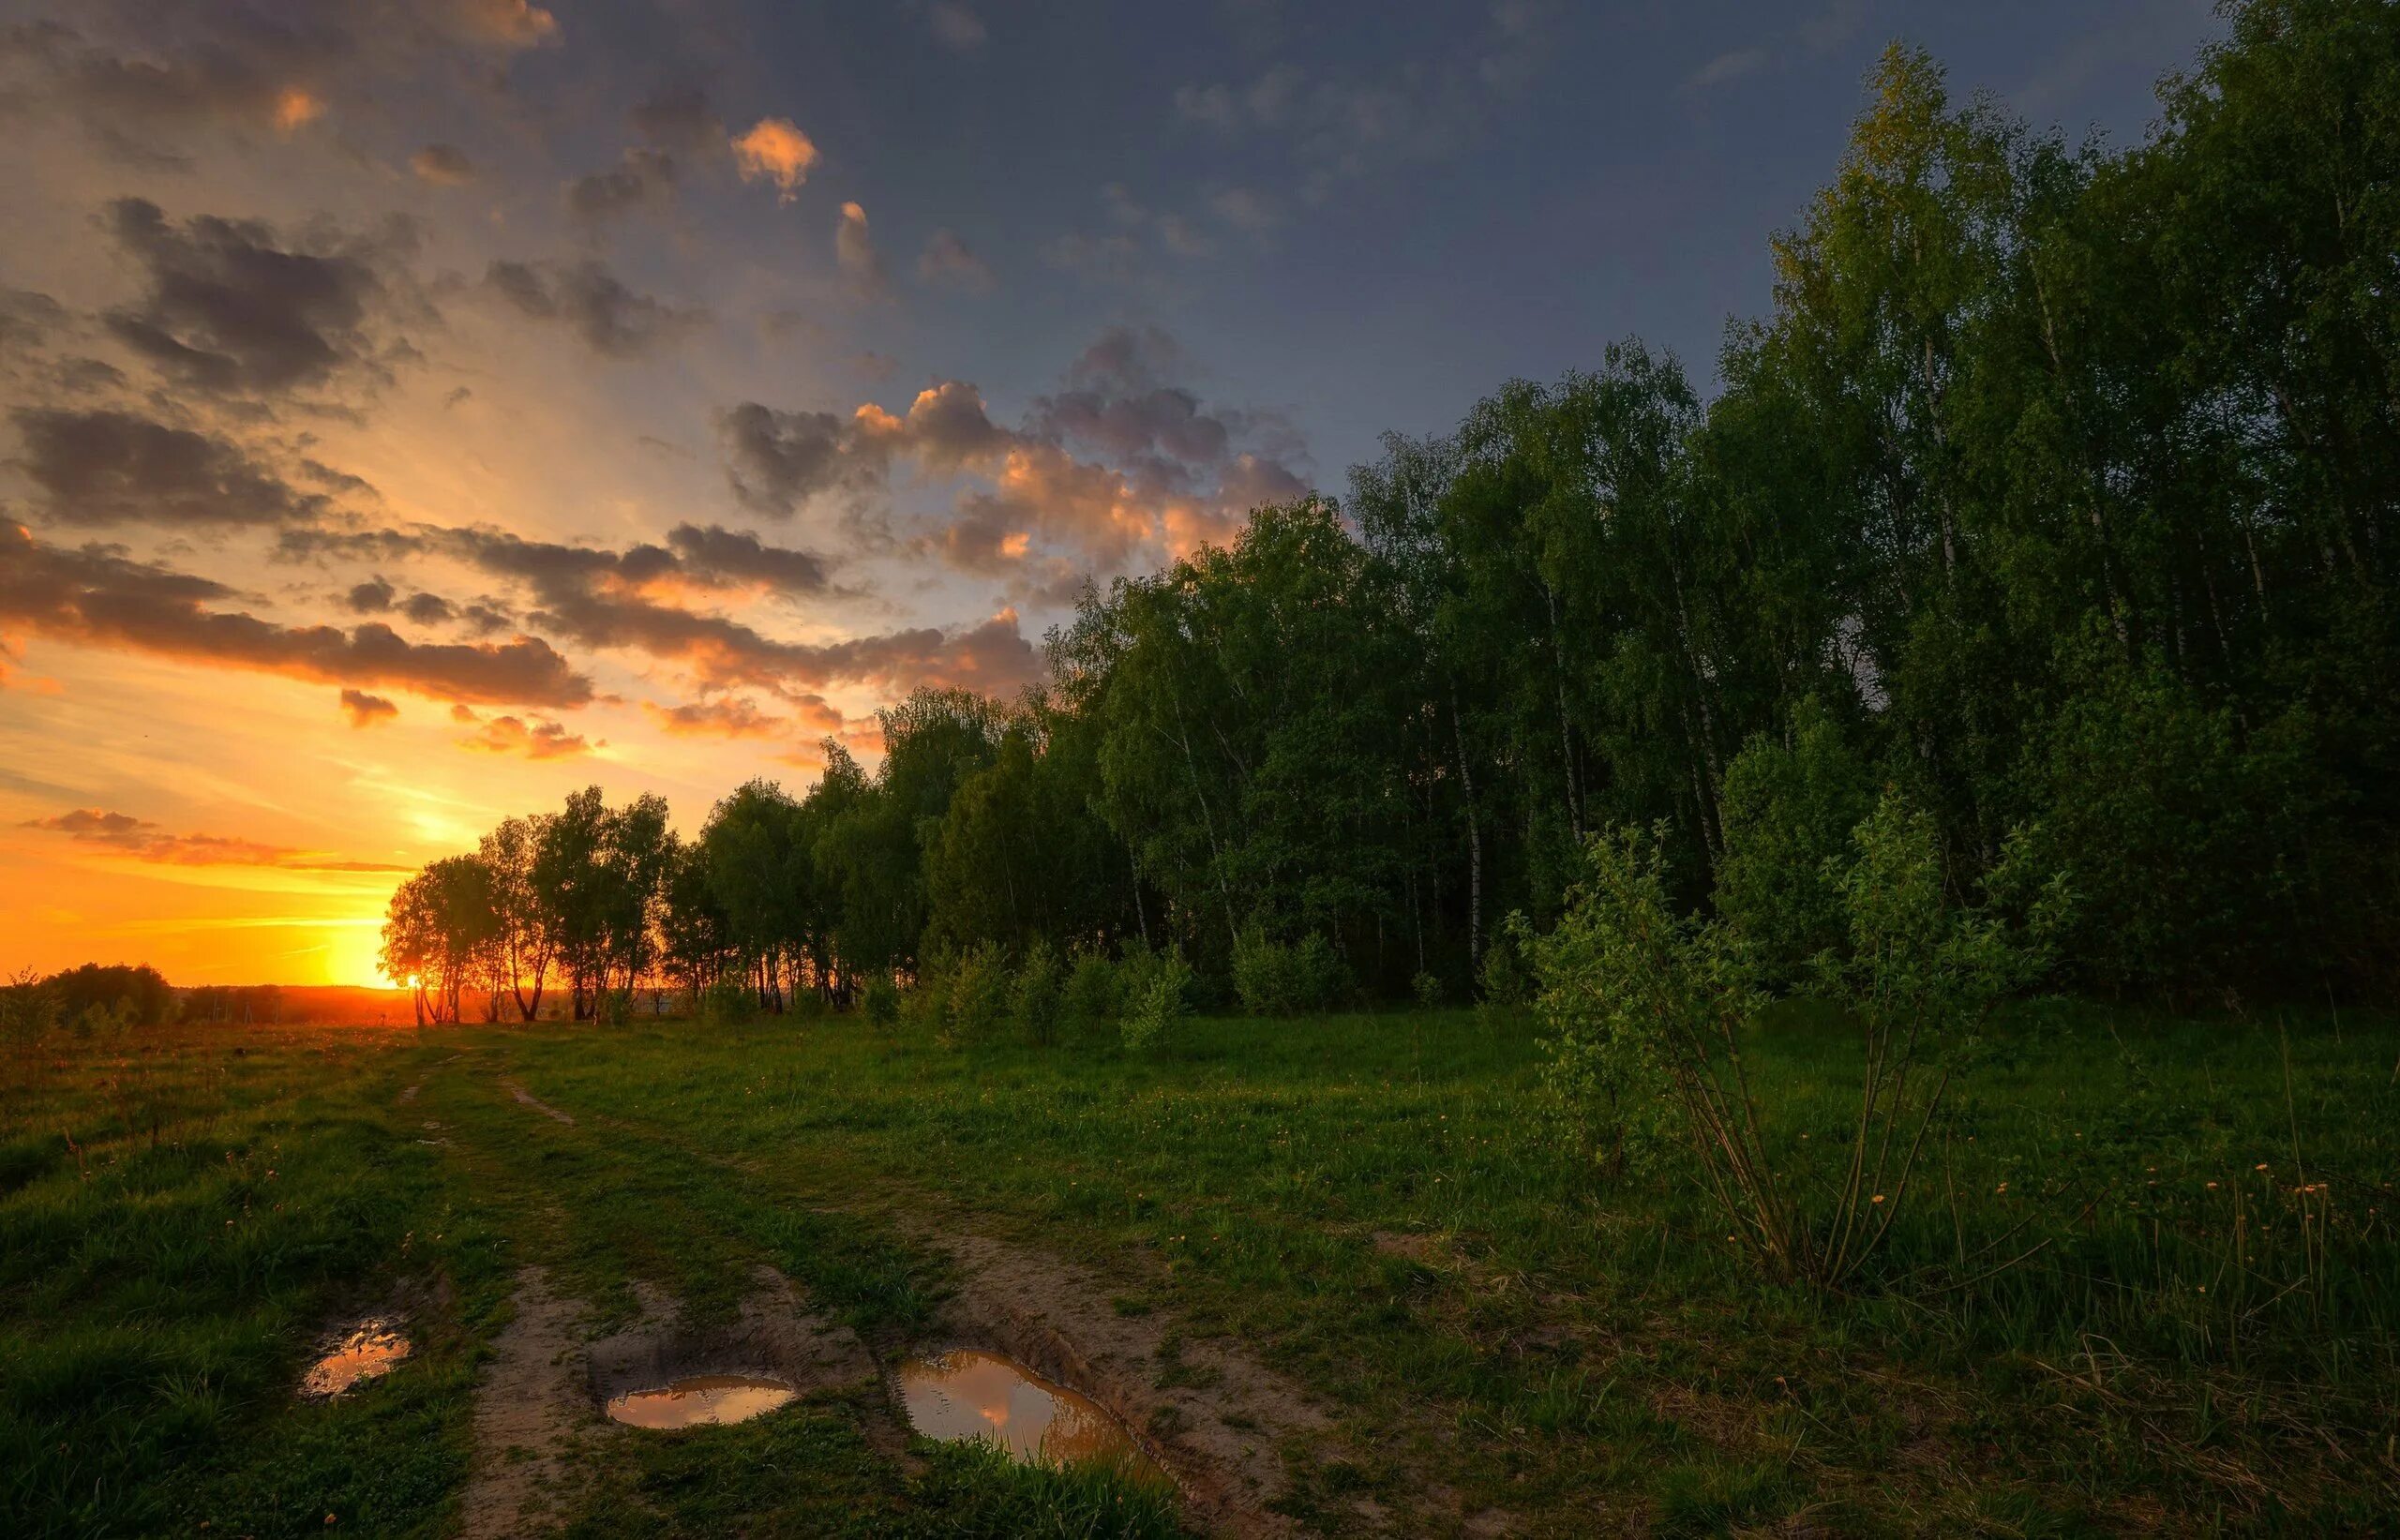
99, 597
373, 597
592, 303
111, 466
232, 309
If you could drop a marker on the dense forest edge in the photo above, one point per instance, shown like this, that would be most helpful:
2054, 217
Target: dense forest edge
2051, 504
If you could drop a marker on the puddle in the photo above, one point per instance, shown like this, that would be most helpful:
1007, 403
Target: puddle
374, 1346
698, 1401
969, 1394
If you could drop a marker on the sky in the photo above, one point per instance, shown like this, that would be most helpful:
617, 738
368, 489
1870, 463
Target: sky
416, 409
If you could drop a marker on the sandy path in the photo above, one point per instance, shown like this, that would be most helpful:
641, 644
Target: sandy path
529, 1404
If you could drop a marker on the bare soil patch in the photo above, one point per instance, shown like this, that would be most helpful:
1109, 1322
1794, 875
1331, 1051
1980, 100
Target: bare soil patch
530, 1100
528, 1408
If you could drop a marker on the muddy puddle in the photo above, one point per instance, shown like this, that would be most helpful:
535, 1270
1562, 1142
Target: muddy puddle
969, 1394
373, 1347
700, 1401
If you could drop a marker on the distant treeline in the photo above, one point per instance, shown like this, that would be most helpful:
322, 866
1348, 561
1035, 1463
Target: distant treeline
2056, 493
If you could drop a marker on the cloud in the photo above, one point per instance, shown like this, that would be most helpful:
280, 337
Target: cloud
947, 261
1245, 210
516, 24
735, 717
1164, 472
443, 165
232, 310
737, 558
535, 740
956, 28
1730, 65
678, 117
610, 599
366, 710
1812, 37
774, 150
592, 303
109, 467
642, 176
854, 249
145, 841
99, 597
262, 69
372, 597
777, 461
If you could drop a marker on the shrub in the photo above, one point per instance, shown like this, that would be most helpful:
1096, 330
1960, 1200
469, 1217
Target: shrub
1091, 989
28, 1010
1649, 1007
1428, 990
979, 993
1264, 978
1507, 971
1788, 812
1034, 997
1160, 1000
926, 1004
880, 1000
727, 1000
1275, 979
1323, 977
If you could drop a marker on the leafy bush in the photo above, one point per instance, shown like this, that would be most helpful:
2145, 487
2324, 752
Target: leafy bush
926, 1004
28, 1010
1275, 979
979, 993
1507, 971
1428, 990
1091, 989
727, 1000
1648, 1010
1159, 996
879, 999
1788, 811
1035, 995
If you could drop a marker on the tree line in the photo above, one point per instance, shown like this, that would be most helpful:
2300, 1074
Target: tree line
2053, 497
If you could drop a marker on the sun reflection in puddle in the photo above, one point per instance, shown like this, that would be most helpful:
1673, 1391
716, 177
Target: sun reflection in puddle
699, 1399
969, 1394
374, 1346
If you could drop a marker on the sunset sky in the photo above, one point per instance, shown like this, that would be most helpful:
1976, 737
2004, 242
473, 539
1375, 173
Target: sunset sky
416, 411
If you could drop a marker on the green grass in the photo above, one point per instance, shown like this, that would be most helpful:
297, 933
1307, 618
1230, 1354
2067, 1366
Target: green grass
1576, 1350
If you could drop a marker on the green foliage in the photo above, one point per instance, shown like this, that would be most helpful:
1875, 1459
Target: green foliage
29, 1010
1091, 994
879, 1000
1036, 994
1650, 1014
1158, 998
1788, 811
128, 996
1274, 978
977, 994
1428, 990
729, 999
1507, 974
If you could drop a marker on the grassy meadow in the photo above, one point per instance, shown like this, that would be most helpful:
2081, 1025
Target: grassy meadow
2151, 1284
